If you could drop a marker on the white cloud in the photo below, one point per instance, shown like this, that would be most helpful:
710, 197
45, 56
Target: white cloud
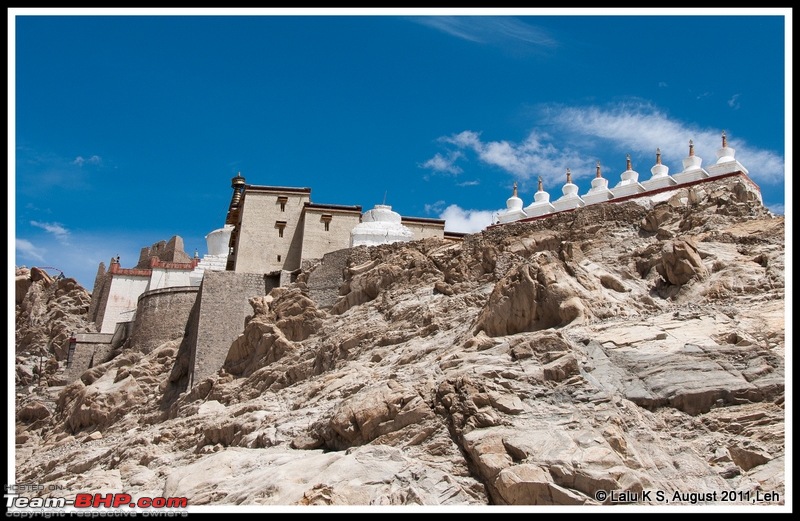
474, 182
465, 139
587, 133
440, 163
662, 84
93, 160
500, 31
734, 101
28, 251
435, 207
640, 128
56, 229
579, 136
535, 156
467, 221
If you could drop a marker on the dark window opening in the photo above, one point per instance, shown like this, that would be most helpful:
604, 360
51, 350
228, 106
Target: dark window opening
326, 220
280, 225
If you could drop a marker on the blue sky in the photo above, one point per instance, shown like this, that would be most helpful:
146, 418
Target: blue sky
125, 130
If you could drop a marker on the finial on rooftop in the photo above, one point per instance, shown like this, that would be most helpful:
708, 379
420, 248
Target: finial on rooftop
237, 184
569, 176
597, 173
628, 162
515, 189
691, 147
658, 156
541, 185
724, 140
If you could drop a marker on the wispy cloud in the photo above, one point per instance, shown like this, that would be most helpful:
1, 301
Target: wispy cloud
56, 229
33, 207
458, 219
536, 155
474, 182
662, 84
27, 250
440, 163
777, 209
39, 172
641, 128
435, 207
499, 31
93, 160
734, 101
578, 136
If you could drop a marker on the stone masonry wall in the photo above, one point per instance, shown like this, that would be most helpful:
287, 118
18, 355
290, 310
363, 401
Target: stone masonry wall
224, 308
98, 291
100, 296
324, 282
161, 315
91, 349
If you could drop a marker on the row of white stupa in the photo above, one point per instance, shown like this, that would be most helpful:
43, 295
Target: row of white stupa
628, 185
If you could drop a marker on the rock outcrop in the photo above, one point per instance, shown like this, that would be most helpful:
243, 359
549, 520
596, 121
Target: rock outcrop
616, 347
47, 312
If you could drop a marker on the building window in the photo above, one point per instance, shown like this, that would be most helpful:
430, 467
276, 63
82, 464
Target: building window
282, 200
280, 225
279, 258
326, 220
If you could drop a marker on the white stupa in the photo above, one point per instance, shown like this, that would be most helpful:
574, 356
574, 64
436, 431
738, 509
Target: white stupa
692, 168
380, 226
570, 199
514, 209
660, 177
599, 191
726, 162
629, 181
217, 257
541, 203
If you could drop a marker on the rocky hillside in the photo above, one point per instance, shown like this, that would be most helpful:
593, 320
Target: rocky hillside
617, 347
47, 311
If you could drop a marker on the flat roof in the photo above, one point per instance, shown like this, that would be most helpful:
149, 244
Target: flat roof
422, 220
289, 189
340, 207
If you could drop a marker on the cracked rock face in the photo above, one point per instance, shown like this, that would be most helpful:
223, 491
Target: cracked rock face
614, 347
